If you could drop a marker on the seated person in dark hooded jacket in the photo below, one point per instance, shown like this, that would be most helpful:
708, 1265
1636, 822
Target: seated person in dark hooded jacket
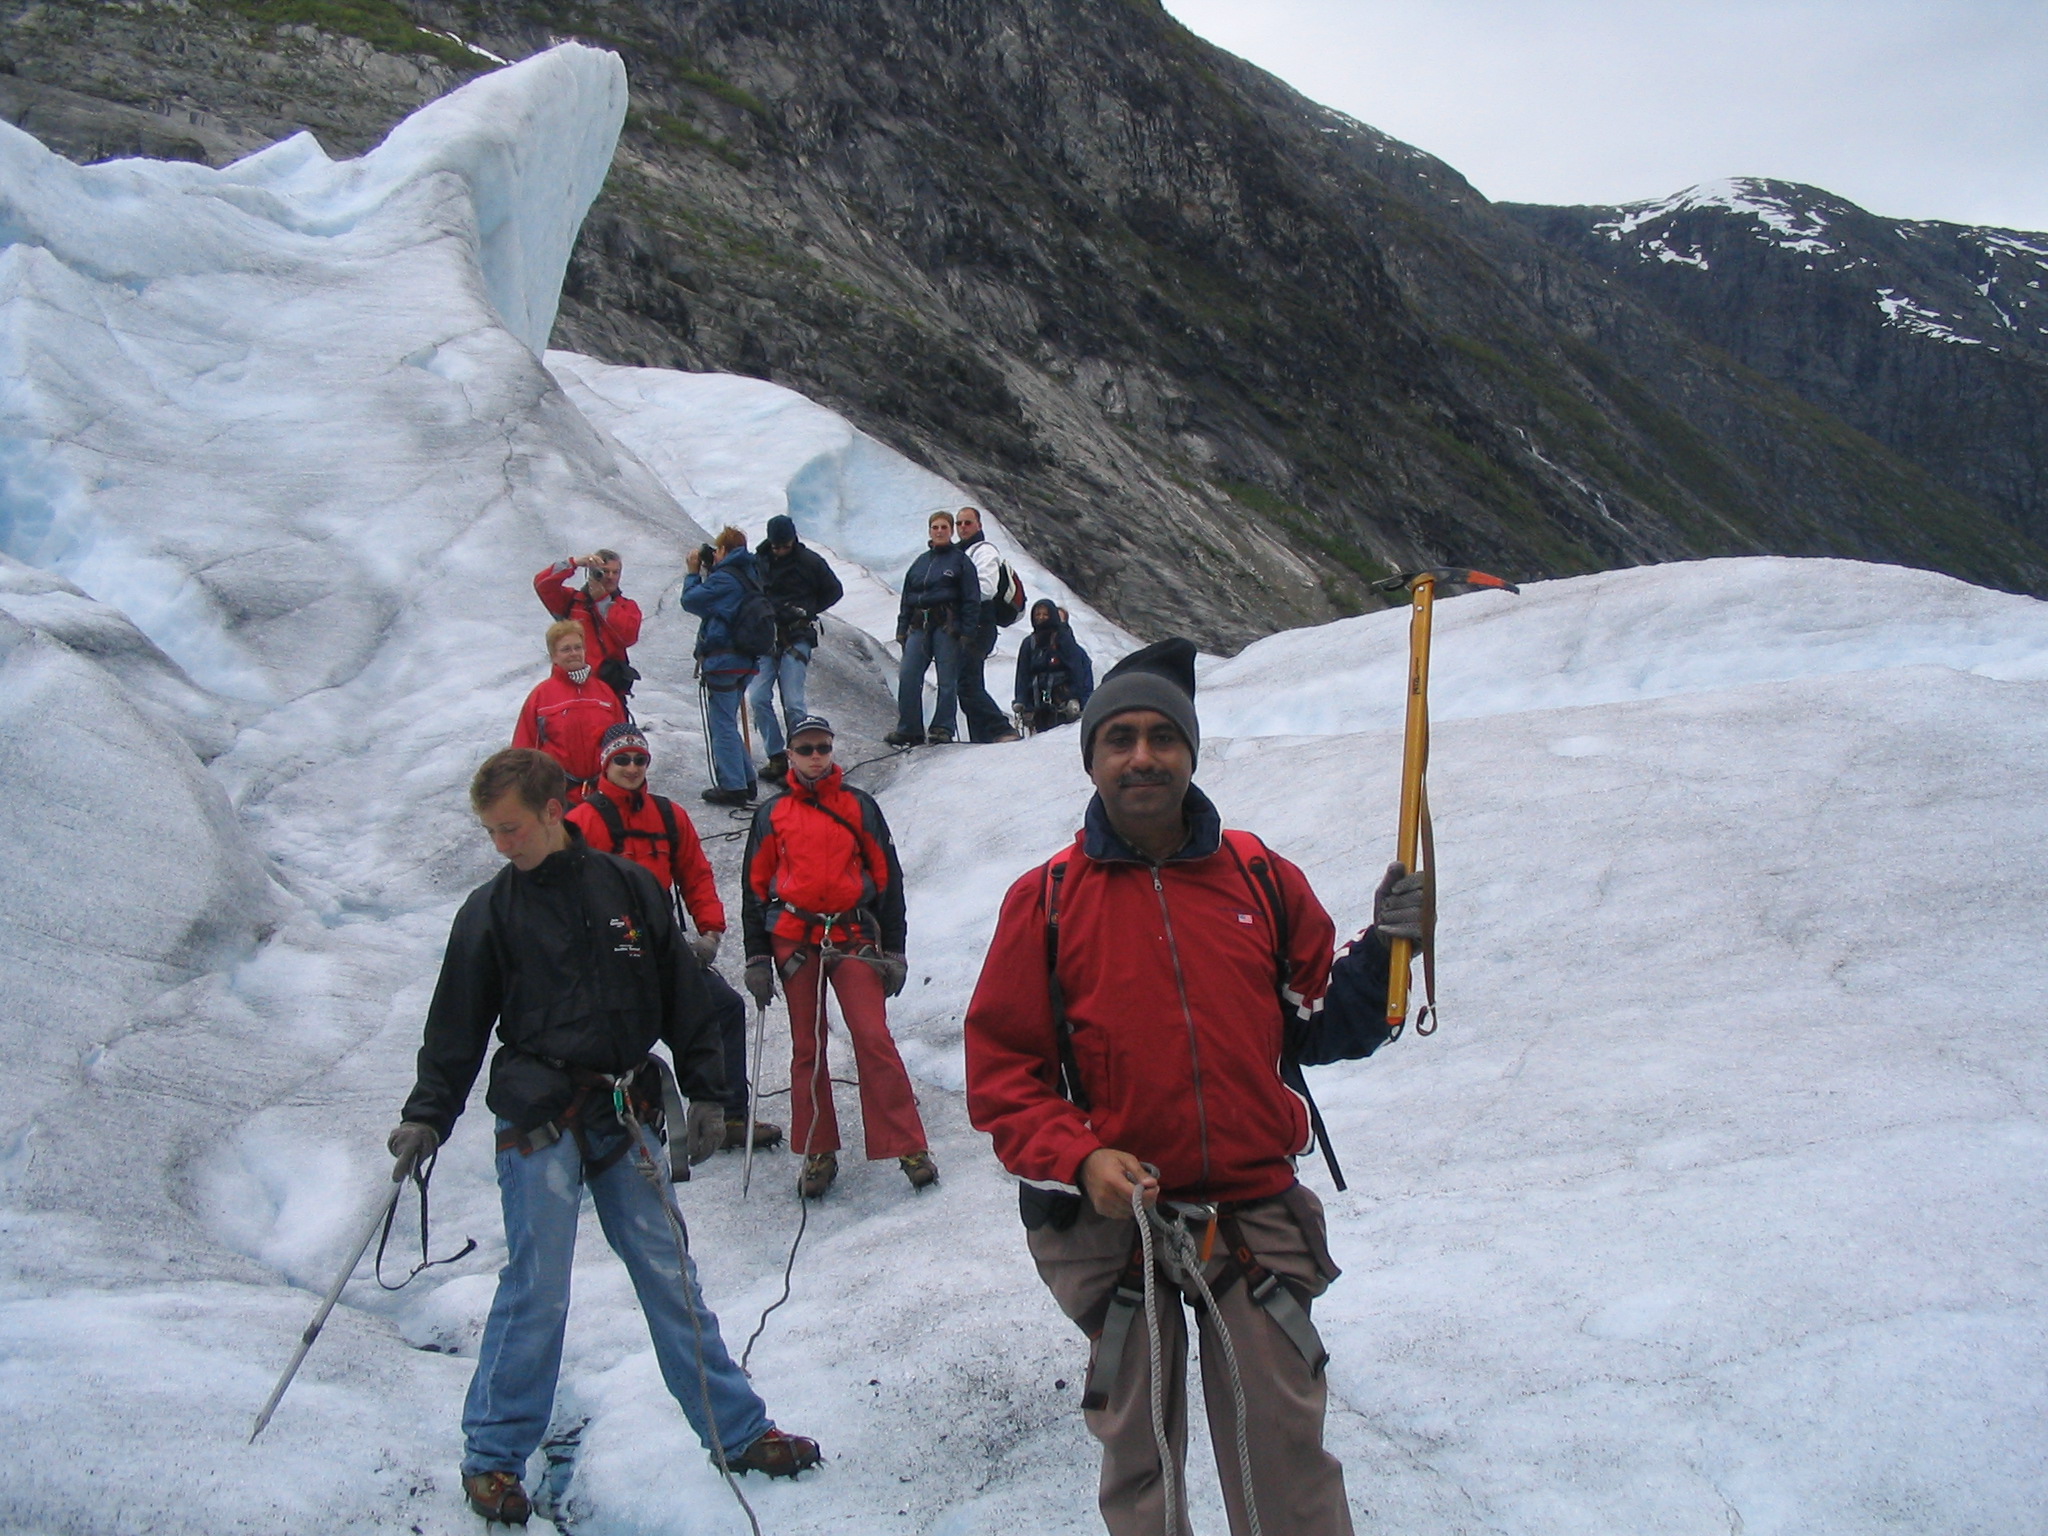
1054, 675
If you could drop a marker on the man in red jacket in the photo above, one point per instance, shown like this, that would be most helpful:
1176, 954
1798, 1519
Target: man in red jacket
610, 620
1125, 1042
622, 815
823, 901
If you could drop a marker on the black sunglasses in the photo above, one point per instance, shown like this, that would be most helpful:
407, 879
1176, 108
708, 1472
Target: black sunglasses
631, 759
815, 749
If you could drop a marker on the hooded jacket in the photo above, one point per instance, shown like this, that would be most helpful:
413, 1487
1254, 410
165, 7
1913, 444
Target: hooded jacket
577, 962
680, 867
610, 624
801, 585
567, 720
822, 849
1055, 653
1169, 978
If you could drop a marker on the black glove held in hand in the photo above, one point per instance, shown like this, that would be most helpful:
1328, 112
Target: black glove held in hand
891, 967
1397, 905
760, 979
703, 1130
412, 1144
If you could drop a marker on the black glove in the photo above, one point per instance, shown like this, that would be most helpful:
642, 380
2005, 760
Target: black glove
703, 1129
1397, 905
705, 945
760, 979
412, 1144
891, 967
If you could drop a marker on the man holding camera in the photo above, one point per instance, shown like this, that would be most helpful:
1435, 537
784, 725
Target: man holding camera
610, 620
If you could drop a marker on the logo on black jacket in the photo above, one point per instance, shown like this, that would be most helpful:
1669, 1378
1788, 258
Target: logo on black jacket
629, 937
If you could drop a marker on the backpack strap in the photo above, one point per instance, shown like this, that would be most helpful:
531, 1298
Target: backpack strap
614, 820
1063, 1027
1258, 874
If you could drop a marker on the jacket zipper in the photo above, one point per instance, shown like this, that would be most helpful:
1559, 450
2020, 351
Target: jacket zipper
1187, 1013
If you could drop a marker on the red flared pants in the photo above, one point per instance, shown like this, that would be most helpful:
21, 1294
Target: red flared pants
888, 1109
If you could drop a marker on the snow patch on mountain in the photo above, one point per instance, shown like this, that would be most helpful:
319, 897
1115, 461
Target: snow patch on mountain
1781, 220
1908, 314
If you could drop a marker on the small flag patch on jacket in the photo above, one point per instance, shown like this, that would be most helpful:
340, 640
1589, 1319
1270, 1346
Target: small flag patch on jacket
1245, 918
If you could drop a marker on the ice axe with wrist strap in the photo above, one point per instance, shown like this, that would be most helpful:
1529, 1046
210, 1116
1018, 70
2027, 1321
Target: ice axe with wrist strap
1414, 826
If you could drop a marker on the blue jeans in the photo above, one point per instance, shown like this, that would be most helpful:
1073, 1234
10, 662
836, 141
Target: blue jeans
787, 669
729, 764
512, 1394
921, 647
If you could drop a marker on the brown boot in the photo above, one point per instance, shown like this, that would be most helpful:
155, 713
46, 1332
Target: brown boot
778, 1454
765, 1134
498, 1496
919, 1168
820, 1169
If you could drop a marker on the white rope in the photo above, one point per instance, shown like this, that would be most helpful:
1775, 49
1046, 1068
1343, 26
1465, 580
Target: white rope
1168, 1471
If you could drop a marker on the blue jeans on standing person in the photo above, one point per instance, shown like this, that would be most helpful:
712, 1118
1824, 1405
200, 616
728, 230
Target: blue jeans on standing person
512, 1395
921, 647
730, 768
788, 669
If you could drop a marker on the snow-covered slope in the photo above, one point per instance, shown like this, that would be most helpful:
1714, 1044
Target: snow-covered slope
1713, 1206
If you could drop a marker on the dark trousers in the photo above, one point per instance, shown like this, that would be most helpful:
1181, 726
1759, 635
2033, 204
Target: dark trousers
985, 722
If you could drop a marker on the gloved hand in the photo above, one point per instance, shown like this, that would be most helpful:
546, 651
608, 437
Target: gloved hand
891, 967
760, 979
1397, 904
412, 1144
703, 1130
1070, 711
705, 945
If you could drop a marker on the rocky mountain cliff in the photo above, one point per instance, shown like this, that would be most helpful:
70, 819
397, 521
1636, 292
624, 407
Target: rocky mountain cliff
1931, 337
1219, 355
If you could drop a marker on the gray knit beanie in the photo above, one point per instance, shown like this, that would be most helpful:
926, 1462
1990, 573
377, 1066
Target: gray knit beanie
1161, 677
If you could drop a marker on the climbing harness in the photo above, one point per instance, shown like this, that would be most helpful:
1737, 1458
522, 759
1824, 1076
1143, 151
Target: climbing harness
419, 1171
1414, 824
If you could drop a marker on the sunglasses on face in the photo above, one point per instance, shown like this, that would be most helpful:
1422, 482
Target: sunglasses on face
630, 759
814, 749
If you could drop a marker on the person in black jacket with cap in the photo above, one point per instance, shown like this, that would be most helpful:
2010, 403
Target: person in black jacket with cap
941, 609
801, 586
575, 956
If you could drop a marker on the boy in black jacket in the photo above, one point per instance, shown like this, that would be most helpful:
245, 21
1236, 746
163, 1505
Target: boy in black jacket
574, 955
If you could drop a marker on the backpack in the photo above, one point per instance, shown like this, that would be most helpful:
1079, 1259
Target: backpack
1009, 603
751, 631
615, 822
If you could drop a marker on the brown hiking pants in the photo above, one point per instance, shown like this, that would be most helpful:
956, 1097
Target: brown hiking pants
1299, 1486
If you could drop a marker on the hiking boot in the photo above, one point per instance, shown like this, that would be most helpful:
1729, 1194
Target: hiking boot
997, 741
498, 1495
919, 1168
904, 739
717, 796
778, 1454
776, 769
820, 1169
938, 736
765, 1135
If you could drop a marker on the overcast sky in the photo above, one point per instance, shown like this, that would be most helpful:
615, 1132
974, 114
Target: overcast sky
1913, 108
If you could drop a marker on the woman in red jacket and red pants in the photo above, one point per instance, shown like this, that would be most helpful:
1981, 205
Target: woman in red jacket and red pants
569, 710
822, 899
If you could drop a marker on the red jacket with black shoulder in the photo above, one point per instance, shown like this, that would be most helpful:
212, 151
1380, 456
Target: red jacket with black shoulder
1172, 992
677, 865
819, 850
610, 624
567, 720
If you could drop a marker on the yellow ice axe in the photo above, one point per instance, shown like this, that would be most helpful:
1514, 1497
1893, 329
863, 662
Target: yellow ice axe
1414, 828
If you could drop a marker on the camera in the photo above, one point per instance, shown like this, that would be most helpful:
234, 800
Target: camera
707, 556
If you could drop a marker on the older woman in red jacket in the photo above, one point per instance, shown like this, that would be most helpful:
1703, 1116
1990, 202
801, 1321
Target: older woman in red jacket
569, 711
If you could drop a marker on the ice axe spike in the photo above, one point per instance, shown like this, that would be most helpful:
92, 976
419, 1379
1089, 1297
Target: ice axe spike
1414, 814
399, 1174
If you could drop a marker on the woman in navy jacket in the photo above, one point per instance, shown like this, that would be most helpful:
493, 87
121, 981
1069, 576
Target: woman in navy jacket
715, 596
941, 607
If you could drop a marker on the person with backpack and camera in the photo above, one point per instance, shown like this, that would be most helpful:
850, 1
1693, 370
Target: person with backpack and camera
941, 609
1135, 1040
1054, 675
801, 586
610, 620
1002, 602
735, 629
622, 815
